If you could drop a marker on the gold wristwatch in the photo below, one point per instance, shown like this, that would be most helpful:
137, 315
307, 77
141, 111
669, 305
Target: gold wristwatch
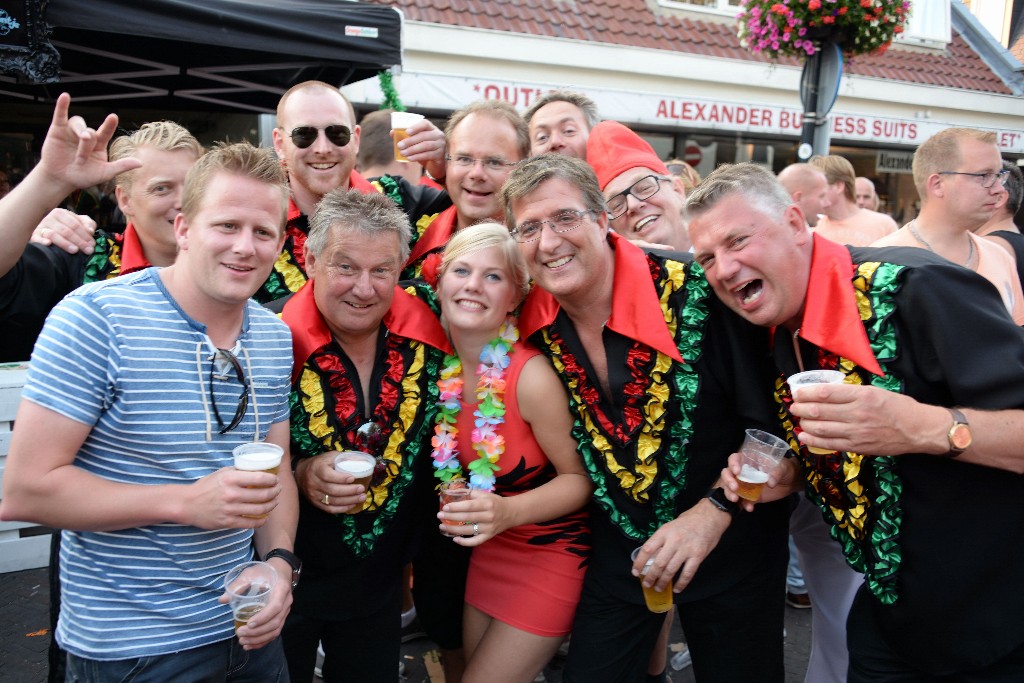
959, 434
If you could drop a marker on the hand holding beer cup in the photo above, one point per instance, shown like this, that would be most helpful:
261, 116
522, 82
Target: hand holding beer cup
332, 490
658, 601
249, 587
259, 456
452, 491
810, 378
360, 466
401, 121
760, 455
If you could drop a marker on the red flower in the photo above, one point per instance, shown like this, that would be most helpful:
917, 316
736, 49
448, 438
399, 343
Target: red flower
814, 4
842, 11
828, 20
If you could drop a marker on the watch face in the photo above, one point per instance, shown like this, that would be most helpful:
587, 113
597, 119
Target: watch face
960, 436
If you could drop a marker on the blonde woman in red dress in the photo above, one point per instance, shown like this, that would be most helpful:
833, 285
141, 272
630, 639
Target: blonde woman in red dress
504, 426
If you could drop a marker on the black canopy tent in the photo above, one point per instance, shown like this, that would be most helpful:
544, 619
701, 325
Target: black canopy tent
211, 54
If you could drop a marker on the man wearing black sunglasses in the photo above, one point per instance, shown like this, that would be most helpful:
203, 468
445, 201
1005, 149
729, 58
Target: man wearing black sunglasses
139, 389
317, 140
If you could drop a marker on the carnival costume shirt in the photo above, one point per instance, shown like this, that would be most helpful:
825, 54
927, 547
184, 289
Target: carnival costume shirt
46, 274
686, 379
352, 563
528, 576
937, 539
122, 357
421, 206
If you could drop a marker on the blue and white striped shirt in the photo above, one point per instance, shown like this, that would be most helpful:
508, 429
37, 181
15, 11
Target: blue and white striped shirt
122, 357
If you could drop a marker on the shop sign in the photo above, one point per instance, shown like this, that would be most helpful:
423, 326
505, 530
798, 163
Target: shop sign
894, 162
438, 91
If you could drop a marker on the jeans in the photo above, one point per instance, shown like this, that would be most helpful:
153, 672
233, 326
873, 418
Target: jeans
215, 663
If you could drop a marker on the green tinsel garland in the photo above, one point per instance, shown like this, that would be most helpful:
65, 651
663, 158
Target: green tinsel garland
387, 86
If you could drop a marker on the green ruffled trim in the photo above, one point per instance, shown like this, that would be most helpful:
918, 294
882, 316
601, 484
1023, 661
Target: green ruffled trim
101, 265
418, 432
684, 386
425, 293
877, 555
389, 186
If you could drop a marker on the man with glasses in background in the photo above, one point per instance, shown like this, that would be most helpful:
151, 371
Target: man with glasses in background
484, 140
645, 202
317, 140
138, 391
663, 382
959, 176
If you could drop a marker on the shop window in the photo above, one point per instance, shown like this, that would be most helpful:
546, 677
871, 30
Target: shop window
726, 7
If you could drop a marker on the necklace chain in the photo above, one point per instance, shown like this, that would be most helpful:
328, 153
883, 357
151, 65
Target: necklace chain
970, 243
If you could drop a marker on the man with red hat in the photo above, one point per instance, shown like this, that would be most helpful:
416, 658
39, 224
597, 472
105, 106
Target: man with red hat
663, 381
645, 201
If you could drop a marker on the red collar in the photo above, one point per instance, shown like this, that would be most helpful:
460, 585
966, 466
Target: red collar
831, 320
636, 309
132, 256
355, 182
436, 235
407, 317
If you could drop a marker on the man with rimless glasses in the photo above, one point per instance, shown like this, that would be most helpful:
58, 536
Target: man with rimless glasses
317, 140
663, 382
485, 140
959, 176
139, 389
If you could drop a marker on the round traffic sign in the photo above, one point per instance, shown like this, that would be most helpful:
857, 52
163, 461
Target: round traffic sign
692, 155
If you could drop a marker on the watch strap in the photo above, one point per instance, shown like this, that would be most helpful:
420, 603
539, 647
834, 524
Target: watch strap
719, 500
291, 558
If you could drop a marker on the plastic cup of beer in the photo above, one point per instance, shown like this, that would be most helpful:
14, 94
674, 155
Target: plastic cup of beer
453, 491
400, 122
657, 601
249, 587
360, 465
259, 456
804, 379
760, 454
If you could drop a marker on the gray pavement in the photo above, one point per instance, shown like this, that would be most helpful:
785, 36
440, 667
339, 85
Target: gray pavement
24, 638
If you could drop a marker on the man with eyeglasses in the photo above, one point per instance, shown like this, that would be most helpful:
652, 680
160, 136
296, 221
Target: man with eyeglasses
1001, 228
317, 140
663, 382
367, 357
138, 390
844, 221
959, 176
484, 141
918, 470
645, 202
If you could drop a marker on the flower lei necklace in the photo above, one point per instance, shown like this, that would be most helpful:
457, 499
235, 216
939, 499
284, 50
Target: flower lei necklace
489, 413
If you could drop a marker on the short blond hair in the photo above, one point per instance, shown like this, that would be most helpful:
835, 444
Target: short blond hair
241, 159
941, 152
166, 136
837, 169
498, 110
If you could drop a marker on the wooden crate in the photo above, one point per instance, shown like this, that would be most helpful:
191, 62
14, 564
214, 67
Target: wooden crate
21, 544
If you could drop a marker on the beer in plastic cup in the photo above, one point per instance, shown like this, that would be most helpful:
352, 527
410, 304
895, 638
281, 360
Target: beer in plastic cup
249, 587
453, 491
258, 456
400, 121
760, 454
803, 379
657, 601
361, 466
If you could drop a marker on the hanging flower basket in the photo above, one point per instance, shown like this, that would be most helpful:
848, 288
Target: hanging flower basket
798, 28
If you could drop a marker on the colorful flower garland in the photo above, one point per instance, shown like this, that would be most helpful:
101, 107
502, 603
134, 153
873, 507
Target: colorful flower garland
489, 413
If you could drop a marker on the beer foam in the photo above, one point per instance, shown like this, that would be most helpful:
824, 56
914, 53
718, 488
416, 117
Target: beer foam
255, 457
752, 475
357, 467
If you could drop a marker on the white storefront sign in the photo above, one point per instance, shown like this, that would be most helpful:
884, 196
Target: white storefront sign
446, 92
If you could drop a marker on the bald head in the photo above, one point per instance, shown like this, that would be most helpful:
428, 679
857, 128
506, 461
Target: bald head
866, 197
809, 189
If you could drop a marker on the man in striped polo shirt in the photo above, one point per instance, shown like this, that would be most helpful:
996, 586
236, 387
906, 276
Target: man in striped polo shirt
139, 389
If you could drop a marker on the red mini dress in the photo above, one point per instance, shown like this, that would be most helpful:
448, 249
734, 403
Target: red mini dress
529, 576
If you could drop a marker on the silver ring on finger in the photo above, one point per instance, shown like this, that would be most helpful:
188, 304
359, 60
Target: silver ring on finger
476, 529
327, 499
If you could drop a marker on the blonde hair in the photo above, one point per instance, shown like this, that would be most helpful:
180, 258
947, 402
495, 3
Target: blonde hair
241, 159
483, 236
941, 152
837, 169
166, 136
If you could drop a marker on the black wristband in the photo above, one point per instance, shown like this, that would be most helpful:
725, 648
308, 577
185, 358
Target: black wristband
719, 500
291, 558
